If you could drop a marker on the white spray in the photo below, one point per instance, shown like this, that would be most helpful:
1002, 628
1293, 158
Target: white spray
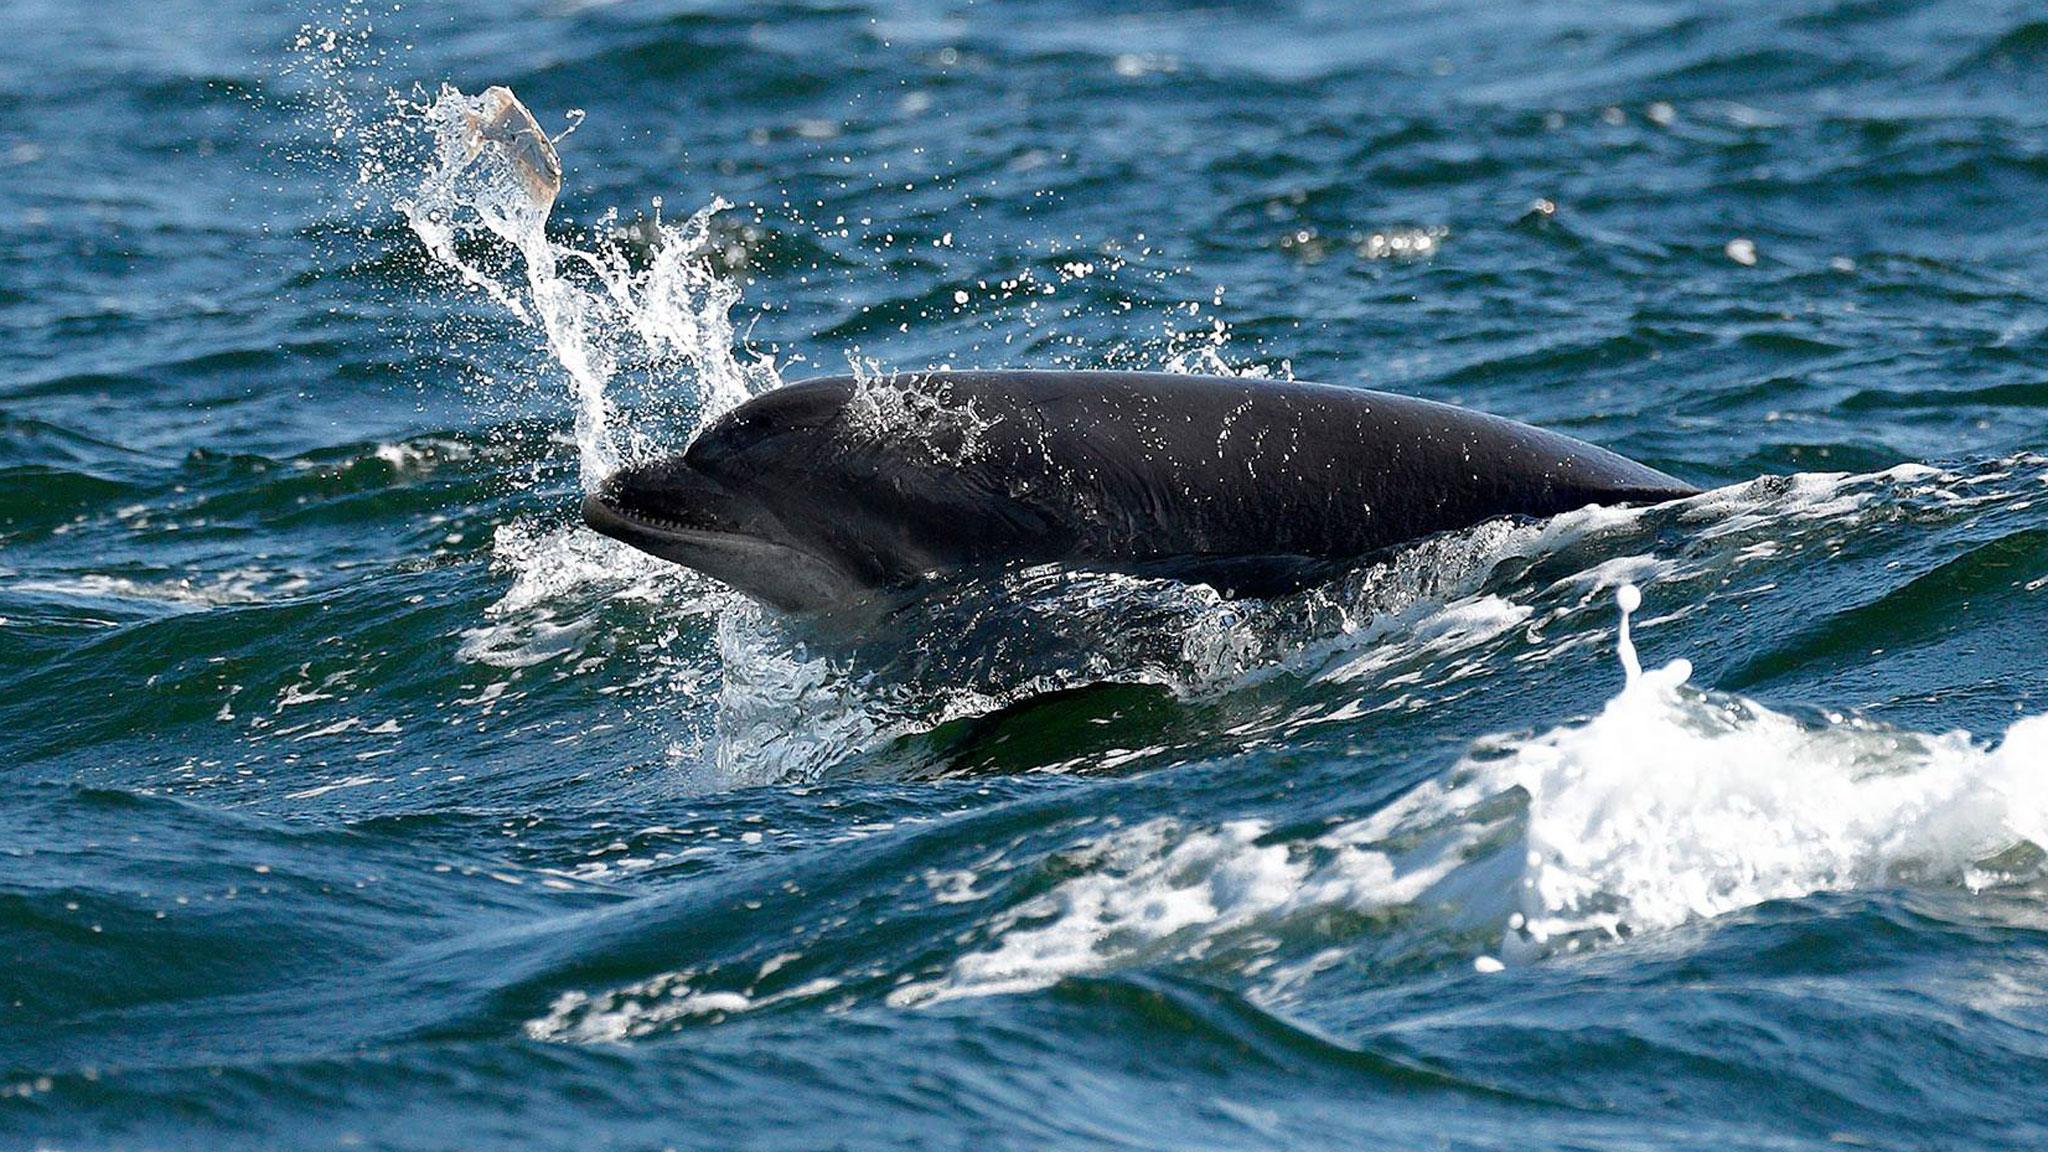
494, 173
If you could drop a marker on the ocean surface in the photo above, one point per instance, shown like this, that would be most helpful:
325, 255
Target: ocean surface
353, 795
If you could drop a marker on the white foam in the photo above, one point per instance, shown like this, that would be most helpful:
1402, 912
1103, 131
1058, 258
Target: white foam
1669, 805
1162, 891
655, 1004
1673, 804
559, 577
186, 593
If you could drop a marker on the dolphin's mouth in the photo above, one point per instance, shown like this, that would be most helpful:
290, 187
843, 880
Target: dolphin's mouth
677, 513
642, 530
667, 498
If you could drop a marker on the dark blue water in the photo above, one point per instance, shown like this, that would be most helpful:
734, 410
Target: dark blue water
353, 795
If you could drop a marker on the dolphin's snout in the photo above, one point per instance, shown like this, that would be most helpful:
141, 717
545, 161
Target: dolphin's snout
663, 497
597, 515
671, 510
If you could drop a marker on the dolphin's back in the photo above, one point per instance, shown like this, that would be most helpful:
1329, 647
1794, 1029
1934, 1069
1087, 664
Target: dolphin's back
1251, 480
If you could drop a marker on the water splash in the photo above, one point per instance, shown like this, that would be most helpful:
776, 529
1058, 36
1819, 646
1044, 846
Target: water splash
1670, 805
1675, 804
1628, 598
613, 319
919, 413
639, 323
796, 705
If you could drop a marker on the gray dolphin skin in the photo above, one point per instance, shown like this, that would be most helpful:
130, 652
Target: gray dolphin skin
826, 492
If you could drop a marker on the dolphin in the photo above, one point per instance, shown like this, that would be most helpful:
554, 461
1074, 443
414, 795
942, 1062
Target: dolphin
826, 492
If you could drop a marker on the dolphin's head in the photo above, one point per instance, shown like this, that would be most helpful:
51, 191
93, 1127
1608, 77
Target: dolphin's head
677, 511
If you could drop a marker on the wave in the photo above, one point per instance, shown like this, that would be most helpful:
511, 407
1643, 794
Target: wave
1669, 806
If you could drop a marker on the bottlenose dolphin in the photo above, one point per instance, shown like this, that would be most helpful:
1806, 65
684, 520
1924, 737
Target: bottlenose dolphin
822, 493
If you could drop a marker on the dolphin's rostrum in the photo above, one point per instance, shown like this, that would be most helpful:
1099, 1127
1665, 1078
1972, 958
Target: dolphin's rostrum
824, 492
